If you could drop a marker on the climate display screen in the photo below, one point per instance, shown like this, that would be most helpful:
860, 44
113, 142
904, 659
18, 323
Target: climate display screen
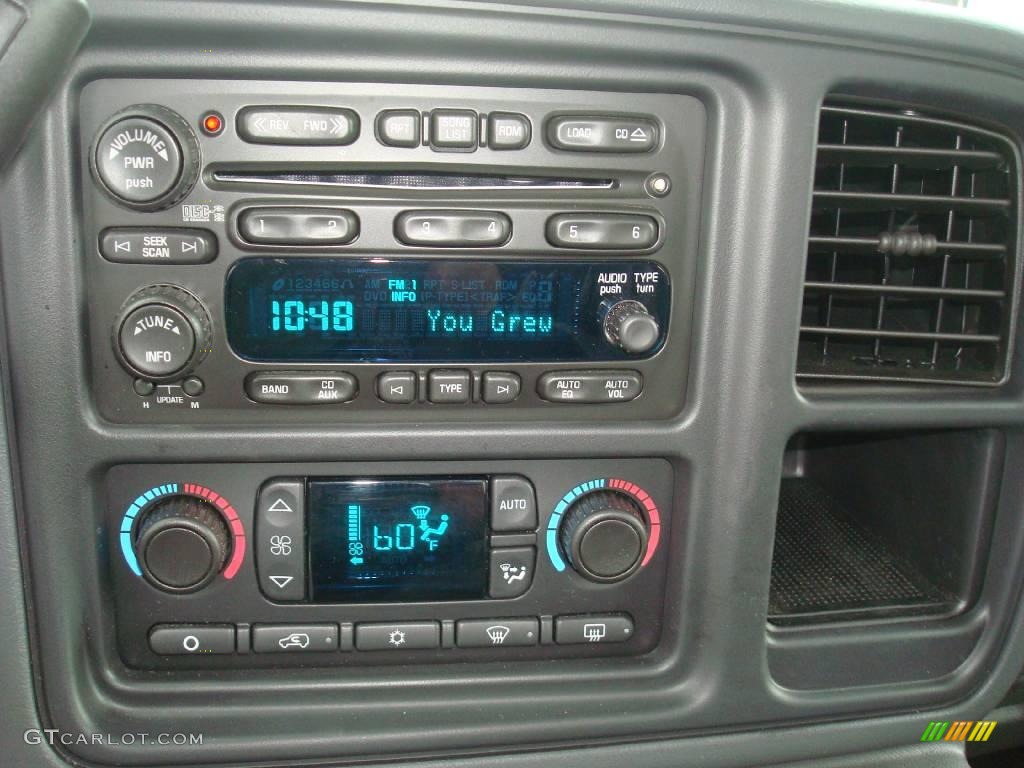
398, 540
378, 310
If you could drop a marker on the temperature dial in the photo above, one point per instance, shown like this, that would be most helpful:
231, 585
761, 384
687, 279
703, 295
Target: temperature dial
604, 535
162, 332
629, 326
182, 543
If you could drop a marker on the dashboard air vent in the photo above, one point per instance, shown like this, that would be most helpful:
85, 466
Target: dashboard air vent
911, 258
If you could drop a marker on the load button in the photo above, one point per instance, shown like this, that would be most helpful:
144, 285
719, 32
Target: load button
590, 386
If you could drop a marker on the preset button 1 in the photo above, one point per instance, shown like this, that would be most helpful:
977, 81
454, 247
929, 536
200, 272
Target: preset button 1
291, 225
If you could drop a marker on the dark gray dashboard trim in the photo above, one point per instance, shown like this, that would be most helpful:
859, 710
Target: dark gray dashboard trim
735, 421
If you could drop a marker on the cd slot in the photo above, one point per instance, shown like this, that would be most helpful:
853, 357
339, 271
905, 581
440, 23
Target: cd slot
415, 180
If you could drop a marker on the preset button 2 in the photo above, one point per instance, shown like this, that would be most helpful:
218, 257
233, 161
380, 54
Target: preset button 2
291, 225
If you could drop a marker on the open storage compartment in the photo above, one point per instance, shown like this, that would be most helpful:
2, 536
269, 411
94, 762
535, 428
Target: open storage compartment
874, 525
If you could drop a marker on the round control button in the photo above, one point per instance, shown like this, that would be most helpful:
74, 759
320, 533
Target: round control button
138, 160
638, 333
157, 340
610, 547
178, 557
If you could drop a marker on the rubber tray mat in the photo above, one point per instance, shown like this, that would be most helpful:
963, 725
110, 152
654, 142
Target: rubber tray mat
828, 567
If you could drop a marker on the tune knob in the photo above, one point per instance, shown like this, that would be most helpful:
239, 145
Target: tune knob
146, 157
629, 325
162, 332
604, 535
182, 543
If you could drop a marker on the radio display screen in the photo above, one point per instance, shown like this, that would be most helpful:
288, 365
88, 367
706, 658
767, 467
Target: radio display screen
382, 310
397, 540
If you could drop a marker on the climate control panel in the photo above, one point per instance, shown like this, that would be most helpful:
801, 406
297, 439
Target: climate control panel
426, 561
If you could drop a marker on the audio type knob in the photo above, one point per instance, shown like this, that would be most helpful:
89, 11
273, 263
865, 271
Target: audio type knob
604, 535
629, 325
162, 332
146, 157
181, 543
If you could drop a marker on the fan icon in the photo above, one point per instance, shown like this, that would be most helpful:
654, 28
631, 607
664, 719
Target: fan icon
497, 633
396, 638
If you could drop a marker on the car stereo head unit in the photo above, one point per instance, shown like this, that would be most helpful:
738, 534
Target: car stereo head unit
328, 254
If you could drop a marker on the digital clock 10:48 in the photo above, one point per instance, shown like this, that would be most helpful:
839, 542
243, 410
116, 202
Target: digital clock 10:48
297, 315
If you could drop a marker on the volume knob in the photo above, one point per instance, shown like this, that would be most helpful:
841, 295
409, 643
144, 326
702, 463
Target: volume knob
604, 535
631, 327
162, 332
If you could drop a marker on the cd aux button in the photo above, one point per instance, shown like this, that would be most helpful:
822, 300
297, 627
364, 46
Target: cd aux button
589, 386
455, 229
298, 125
306, 388
287, 225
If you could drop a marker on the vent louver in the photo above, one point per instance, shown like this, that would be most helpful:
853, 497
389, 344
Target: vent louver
911, 263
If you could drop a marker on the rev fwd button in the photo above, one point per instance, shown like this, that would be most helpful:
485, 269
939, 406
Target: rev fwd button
298, 125
145, 245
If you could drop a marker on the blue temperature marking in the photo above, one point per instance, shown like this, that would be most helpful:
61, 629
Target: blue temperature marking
129, 520
556, 518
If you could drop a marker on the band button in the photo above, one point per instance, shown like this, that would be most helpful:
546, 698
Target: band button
307, 388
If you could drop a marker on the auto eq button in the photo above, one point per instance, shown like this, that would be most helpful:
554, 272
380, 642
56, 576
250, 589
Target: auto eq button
157, 245
298, 125
294, 638
577, 133
589, 386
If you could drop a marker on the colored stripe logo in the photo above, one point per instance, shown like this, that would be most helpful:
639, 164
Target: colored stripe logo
959, 730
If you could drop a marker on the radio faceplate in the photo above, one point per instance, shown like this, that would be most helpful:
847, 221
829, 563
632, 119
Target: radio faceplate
538, 177
537, 548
